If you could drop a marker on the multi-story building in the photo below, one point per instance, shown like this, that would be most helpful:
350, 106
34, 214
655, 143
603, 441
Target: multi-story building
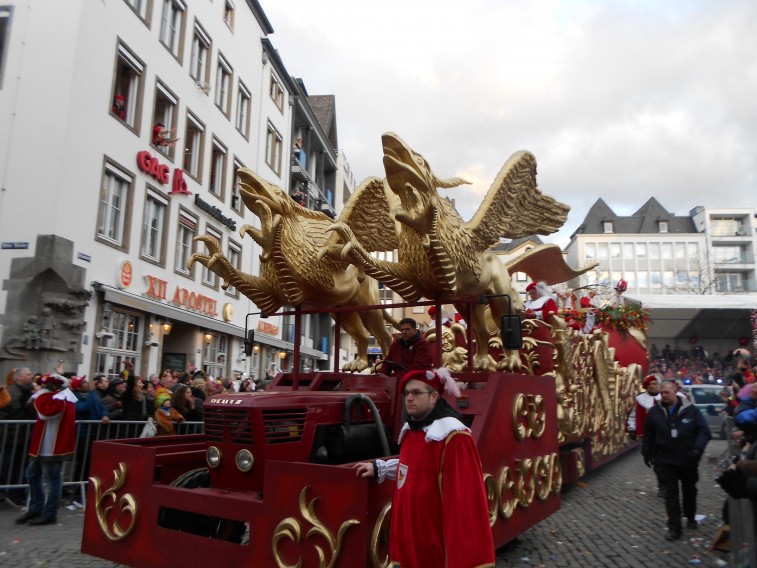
709, 251
122, 125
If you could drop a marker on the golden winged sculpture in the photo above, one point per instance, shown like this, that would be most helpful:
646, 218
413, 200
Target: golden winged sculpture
440, 255
291, 275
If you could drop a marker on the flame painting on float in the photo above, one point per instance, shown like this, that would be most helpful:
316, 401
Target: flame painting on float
270, 481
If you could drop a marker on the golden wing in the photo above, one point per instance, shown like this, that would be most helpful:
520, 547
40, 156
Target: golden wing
547, 263
514, 207
367, 215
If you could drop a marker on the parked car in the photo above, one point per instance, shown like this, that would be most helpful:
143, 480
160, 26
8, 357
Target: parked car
708, 401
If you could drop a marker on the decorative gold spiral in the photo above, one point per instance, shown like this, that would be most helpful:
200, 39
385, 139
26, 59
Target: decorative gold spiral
127, 504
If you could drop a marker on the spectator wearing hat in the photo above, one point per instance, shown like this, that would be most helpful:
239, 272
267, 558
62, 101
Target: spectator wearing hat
643, 402
53, 442
439, 510
119, 106
166, 417
675, 436
540, 304
113, 400
410, 351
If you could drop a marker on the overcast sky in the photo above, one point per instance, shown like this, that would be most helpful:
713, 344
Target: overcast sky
623, 100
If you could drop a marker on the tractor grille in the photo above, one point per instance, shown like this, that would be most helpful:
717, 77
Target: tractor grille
227, 424
282, 426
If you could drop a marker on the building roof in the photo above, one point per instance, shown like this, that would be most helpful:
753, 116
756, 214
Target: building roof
644, 221
324, 109
515, 243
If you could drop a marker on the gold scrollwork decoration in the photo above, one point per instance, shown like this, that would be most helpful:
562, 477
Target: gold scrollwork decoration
127, 504
526, 481
381, 527
556, 473
507, 493
529, 416
290, 528
490, 485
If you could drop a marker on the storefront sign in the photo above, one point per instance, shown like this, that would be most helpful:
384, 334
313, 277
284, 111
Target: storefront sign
157, 288
179, 183
216, 213
84, 257
20, 245
126, 273
228, 312
268, 328
151, 166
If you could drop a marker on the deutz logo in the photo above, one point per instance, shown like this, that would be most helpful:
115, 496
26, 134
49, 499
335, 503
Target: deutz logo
228, 401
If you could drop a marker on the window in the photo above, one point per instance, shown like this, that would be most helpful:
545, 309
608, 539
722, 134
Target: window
641, 250
667, 251
236, 201
273, 146
214, 354
125, 345
223, 84
680, 251
663, 226
113, 222
217, 169
643, 278
243, 110
194, 141
172, 25
140, 7
228, 13
590, 251
730, 282
153, 225
235, 258
654, 251
184, 244
607, 225
602, 251
627, 251
656, 279
198, 65
615, 250
668, 278
210, 278
127, 88
5, 32
164, 121
277, 92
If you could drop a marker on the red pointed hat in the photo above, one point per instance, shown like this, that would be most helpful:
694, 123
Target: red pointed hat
585, 302
622, 285
531, 286
647, 380
440, 379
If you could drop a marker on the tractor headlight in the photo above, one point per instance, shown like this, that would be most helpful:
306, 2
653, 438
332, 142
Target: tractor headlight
245, 461
213, 456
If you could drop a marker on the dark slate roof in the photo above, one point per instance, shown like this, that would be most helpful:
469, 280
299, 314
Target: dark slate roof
515, 243
324, 109
644, 221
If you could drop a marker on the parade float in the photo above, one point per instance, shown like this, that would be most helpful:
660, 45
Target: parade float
270, 481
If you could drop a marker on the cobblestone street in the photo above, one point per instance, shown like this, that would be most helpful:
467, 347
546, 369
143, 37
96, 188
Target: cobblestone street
613, 518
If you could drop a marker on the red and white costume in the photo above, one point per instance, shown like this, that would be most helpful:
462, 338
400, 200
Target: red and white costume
542, 307
439, 511
638, 413
54, 434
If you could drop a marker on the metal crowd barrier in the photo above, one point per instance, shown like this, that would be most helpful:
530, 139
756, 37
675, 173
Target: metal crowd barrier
14, 443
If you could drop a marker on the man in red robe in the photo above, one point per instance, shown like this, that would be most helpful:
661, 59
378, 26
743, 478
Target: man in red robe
540, 304
642, 404
439, 510
53, 441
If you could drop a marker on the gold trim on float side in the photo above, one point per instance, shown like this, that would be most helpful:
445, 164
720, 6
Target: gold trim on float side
380, 527
291, 529
126, 503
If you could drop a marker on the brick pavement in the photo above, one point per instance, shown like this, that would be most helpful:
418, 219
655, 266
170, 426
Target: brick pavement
613, 519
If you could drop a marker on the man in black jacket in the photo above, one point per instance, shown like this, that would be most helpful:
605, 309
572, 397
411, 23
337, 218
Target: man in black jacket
674, 439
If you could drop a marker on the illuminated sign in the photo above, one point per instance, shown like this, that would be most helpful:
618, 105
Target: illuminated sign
268, 328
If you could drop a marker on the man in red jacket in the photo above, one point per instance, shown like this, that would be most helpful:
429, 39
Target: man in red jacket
53, 442
440, 515
410, 351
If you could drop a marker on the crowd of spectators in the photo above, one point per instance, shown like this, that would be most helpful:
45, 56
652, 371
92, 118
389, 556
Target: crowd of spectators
692, 365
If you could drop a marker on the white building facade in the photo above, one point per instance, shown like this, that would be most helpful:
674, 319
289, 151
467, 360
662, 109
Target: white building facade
122, 124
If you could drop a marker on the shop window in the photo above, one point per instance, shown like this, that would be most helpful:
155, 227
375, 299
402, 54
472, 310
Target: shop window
164, 121
273, 146
277, 92
123, 346
5, 28
184, 244
223, 85
228, 13
198, 65
217, 169
153, 226
236, 199
172, 26
244, 101
127, 92
210, 278
194, 141
234, 255
215, 354
140, 7
113, 215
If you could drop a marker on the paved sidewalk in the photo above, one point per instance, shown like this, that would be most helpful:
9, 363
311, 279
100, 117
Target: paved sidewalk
614, 518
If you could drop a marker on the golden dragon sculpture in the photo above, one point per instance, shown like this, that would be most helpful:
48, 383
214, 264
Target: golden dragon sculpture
440, 255
290, 237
